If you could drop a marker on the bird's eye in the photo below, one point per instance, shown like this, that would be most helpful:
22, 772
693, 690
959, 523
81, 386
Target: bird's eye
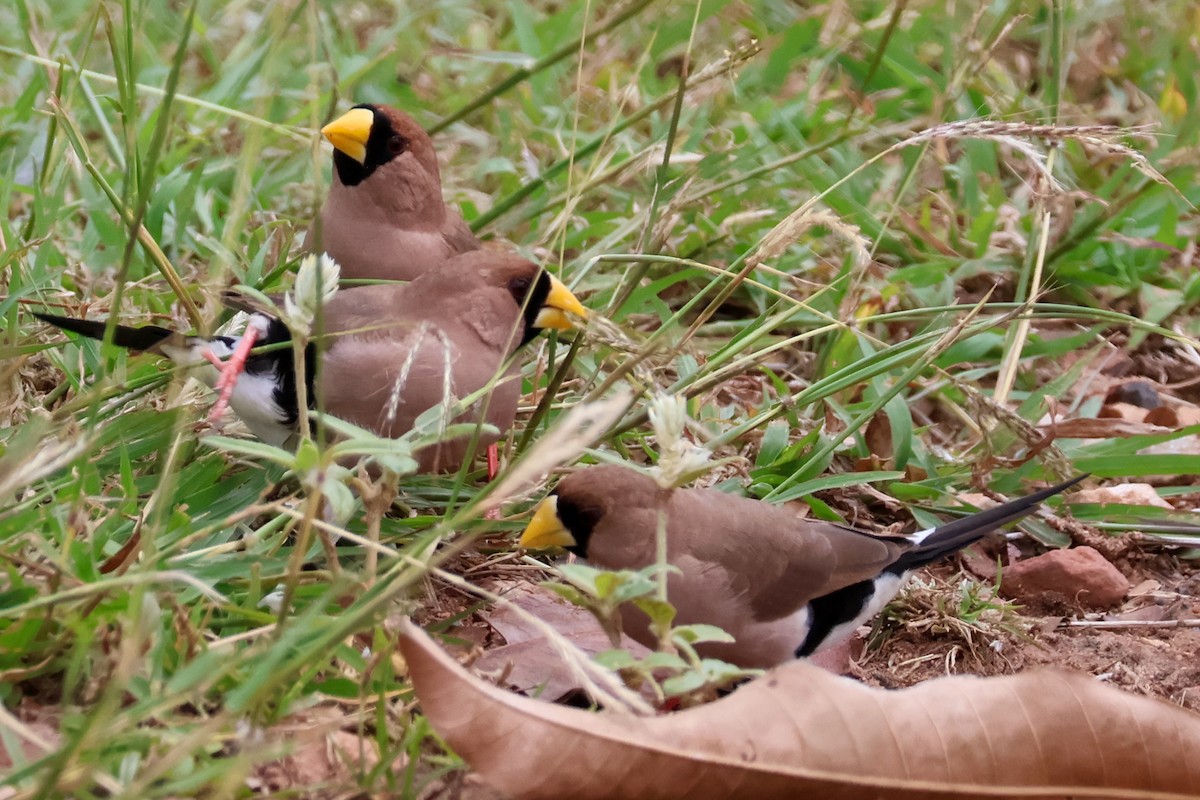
397, 145
519, 288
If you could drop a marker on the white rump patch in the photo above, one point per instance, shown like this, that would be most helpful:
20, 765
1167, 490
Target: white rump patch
921, 536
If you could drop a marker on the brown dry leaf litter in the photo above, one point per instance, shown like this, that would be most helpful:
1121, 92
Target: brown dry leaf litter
801, 731
528, 662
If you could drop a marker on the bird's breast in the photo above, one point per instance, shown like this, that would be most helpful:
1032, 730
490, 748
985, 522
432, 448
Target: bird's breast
254, 400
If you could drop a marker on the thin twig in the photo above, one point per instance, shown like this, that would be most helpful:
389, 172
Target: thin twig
1115, 624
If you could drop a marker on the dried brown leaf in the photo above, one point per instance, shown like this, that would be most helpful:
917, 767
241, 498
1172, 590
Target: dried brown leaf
1163, 415
1101, 428
34, 728
802, 732
1129, 494
1183, 446
878, 436
1126, 411
319, 752
528, 662
1184, 415
1187, 415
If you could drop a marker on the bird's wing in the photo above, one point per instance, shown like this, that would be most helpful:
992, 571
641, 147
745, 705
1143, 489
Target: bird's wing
778, 562
381, 370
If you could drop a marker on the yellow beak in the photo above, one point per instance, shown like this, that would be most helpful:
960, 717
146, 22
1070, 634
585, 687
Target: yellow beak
546, 529
559, 307
350, 132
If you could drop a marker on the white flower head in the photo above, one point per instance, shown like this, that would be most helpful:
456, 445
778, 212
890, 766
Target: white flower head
678, 459
316, 283
272, 602
668, 417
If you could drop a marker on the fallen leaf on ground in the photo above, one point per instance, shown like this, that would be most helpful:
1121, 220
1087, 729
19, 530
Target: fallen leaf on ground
1148, 586
802, 732
878, 437
34, 729
528, 662
977, 500
1125, 411
320, 752
1101, 428
1181, 416
1129, 494
837, 658
1183, 446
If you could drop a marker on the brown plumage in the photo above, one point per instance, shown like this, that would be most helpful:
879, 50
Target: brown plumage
385, 218
783, 587
388, 353
414, 349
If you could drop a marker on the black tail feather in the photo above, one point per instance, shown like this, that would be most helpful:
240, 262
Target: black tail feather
846, 604
143, 338
955, 535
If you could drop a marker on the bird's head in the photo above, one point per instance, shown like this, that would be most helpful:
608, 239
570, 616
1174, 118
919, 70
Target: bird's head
561, 523
583, 513
545, 301
370, 138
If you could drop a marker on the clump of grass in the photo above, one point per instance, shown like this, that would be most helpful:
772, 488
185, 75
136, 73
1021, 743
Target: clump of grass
960, 617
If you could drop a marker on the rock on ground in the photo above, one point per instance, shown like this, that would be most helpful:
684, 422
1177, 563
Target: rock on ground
1081, 575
